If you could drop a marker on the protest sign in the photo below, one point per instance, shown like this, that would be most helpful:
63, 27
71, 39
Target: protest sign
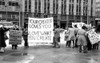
93, 37
40, 30
15, 37
7, 24
79, 24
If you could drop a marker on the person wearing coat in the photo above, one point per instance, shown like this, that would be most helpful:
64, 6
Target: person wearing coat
2, 38
75, 31
82, 41
25, 37
71, 37
56, 38
14, 46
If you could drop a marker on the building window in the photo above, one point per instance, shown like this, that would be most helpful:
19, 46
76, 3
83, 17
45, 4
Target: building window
69, 9
0, 16
62, 7
79, 10
77, 1
39, 7
91, 7
29, 5
13, 3
25, 5
16, 16
54, 7
2, 2
13, 17
48, 8
4, 16
73, 1
44, 6
70, 1
72, 9
35, 6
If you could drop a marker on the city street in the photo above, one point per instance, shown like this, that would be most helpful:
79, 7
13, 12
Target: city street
41, 24
47, 54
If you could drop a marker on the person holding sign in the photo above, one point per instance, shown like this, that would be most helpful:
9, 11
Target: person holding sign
14, 46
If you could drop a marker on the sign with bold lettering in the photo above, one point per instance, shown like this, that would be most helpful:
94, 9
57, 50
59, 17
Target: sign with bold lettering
93, 36
7, 24
15, 37
40, 30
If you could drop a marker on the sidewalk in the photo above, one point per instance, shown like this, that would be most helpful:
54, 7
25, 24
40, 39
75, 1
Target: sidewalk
15, 56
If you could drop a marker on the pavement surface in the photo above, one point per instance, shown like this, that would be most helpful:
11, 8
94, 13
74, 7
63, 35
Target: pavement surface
47, 54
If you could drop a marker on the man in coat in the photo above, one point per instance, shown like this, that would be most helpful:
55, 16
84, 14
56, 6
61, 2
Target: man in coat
57, 31
25, 37
2, 38
14, 46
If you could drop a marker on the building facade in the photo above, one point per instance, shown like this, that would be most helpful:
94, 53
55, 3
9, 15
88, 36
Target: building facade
64, 12
11, 10
97, 17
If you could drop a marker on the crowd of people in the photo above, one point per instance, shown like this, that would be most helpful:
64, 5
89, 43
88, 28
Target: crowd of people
78, 37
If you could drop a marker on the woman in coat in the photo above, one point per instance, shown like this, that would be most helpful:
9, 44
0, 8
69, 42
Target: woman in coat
71, 38
82, 41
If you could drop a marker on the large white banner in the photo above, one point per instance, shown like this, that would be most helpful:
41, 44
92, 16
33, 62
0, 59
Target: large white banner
40, 30
7, 24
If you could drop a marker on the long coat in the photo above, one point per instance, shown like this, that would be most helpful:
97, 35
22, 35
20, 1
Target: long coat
2, 39
82, 37
25, 34
71, 34
57, 34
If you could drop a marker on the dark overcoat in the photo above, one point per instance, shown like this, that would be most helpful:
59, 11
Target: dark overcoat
25, 34
2, 39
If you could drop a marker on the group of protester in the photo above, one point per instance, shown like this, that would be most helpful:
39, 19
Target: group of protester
78, 37
4, 37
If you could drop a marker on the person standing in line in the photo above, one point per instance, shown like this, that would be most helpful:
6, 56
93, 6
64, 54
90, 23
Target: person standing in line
57, 31
82, 41
68, 42
2, 38
71, 37
75, 31
25, 37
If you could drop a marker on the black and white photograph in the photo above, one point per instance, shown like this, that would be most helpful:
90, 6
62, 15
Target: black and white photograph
49, 31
